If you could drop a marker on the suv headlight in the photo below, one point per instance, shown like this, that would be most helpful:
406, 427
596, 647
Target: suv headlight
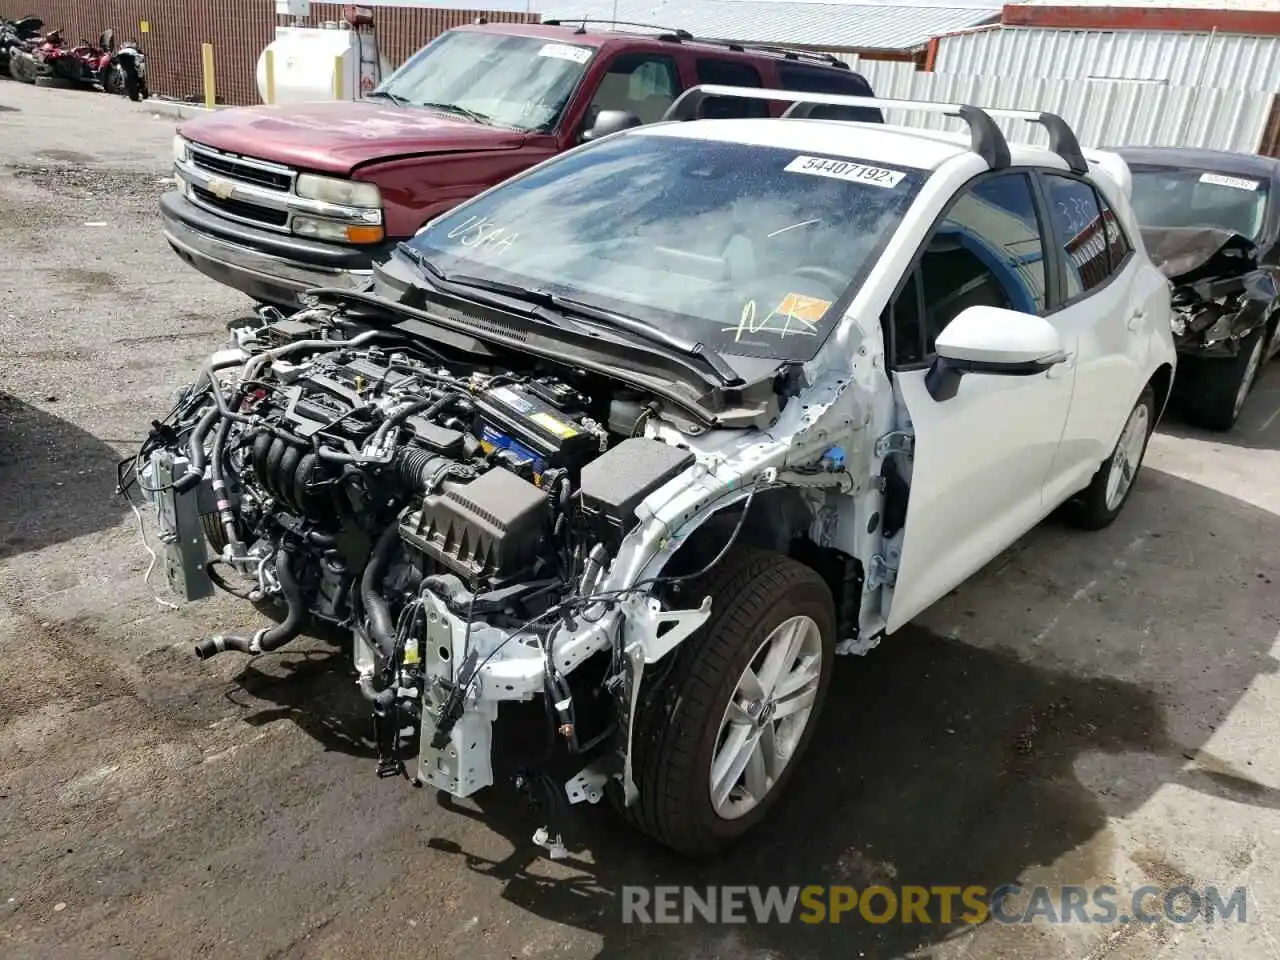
180, 152
345, 193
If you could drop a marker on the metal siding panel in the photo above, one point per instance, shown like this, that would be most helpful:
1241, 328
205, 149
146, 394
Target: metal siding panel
1181, 59
1102, 112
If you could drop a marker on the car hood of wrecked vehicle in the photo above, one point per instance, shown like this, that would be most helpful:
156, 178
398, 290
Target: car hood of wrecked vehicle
1192, 253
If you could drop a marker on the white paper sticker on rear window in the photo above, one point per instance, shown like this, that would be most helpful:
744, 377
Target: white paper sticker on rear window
565, 51
846, 170
1218, 180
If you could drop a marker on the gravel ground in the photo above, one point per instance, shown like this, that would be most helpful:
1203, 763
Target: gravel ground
1089, 709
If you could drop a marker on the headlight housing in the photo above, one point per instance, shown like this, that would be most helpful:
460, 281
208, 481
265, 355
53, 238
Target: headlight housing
318, 228
345, 193
180, 152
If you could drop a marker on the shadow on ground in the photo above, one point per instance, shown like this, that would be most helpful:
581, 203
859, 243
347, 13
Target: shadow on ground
56, 480
937, 762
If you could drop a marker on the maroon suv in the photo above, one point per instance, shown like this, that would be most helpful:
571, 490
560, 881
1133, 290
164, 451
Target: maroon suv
277, 200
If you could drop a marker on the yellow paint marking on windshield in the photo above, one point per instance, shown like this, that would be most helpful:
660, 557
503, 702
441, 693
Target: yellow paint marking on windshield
796, 315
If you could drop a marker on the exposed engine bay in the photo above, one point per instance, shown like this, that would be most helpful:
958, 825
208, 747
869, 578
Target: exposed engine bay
479, 531
1220, 293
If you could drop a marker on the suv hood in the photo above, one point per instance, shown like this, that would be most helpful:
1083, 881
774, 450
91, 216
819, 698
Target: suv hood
338, 137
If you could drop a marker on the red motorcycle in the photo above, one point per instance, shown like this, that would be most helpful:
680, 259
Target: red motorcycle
83, 65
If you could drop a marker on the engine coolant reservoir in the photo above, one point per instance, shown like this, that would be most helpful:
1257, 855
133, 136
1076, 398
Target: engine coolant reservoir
306, 63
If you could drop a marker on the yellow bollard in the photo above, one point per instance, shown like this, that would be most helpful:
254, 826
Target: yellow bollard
271, 75
339, 92
210, 99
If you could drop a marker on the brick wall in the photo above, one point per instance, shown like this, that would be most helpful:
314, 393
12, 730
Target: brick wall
239, 31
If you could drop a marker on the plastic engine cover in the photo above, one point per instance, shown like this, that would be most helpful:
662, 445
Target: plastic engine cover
487, 529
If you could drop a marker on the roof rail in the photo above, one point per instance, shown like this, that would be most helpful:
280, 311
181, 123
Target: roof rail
673, 33
789, 53
678, 35
985, 137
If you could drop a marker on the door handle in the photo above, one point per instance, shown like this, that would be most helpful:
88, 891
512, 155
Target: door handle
1135, 319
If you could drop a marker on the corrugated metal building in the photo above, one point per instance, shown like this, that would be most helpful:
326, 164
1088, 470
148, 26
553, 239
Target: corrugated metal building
1200, 73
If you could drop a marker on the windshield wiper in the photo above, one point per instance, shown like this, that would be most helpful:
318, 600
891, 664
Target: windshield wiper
728, 376
474, 115
398, 100
578, 310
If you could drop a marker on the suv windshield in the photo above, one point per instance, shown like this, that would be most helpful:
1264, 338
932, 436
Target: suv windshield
1174, 197
738, 246
513, 81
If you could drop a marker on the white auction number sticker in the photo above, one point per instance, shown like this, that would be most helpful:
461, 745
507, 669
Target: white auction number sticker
565, 51
1220, 180
846, 170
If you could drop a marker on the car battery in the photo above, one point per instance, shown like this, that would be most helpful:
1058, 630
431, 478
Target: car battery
515, 418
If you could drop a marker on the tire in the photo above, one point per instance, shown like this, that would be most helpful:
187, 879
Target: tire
684, 703
1094, 508
114, 81
1220, 387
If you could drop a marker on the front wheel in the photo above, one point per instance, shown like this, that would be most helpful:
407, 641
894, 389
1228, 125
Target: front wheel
23, 68
720, 730
1101, 502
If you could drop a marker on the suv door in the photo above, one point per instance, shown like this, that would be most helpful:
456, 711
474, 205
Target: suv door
981, 457
1102, 308
641, 84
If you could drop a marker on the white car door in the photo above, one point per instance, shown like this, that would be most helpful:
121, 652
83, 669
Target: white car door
1104, 311
982, 456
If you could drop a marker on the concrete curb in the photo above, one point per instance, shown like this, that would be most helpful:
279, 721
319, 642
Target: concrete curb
173, 108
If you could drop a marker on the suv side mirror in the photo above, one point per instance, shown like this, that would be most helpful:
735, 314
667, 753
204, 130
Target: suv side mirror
991, 340
610, 122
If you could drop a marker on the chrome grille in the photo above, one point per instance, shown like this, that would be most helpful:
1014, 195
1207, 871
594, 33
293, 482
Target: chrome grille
226, 166
242, 210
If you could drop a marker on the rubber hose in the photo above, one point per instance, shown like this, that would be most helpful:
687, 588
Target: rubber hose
273, 638
381, 628
291, 626
220, 486
416, 468
195, 453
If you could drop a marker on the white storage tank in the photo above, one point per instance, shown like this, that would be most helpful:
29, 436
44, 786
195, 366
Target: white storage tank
306, 63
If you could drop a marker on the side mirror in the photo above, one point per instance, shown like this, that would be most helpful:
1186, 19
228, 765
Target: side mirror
990, 340
609, 122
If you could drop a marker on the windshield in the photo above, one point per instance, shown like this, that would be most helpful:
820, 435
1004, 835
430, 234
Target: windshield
513, 81
1172, 197
740, 247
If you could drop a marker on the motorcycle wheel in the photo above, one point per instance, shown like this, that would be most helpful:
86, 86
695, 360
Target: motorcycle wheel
113, 81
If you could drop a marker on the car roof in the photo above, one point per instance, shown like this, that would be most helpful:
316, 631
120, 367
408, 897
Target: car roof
879, 142
572, 31
1222, 161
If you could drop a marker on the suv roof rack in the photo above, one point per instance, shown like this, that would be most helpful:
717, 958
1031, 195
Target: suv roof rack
985, 137
676, 35
665, 33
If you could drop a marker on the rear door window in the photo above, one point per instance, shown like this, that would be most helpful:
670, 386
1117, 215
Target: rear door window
730, 73
831, 80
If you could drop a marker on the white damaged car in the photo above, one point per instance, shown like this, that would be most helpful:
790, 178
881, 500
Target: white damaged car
607, 464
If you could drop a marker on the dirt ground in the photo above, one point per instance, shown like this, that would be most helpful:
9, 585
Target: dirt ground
1090, 709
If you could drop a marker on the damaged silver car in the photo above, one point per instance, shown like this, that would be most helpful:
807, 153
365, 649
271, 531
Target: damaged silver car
1211, 222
